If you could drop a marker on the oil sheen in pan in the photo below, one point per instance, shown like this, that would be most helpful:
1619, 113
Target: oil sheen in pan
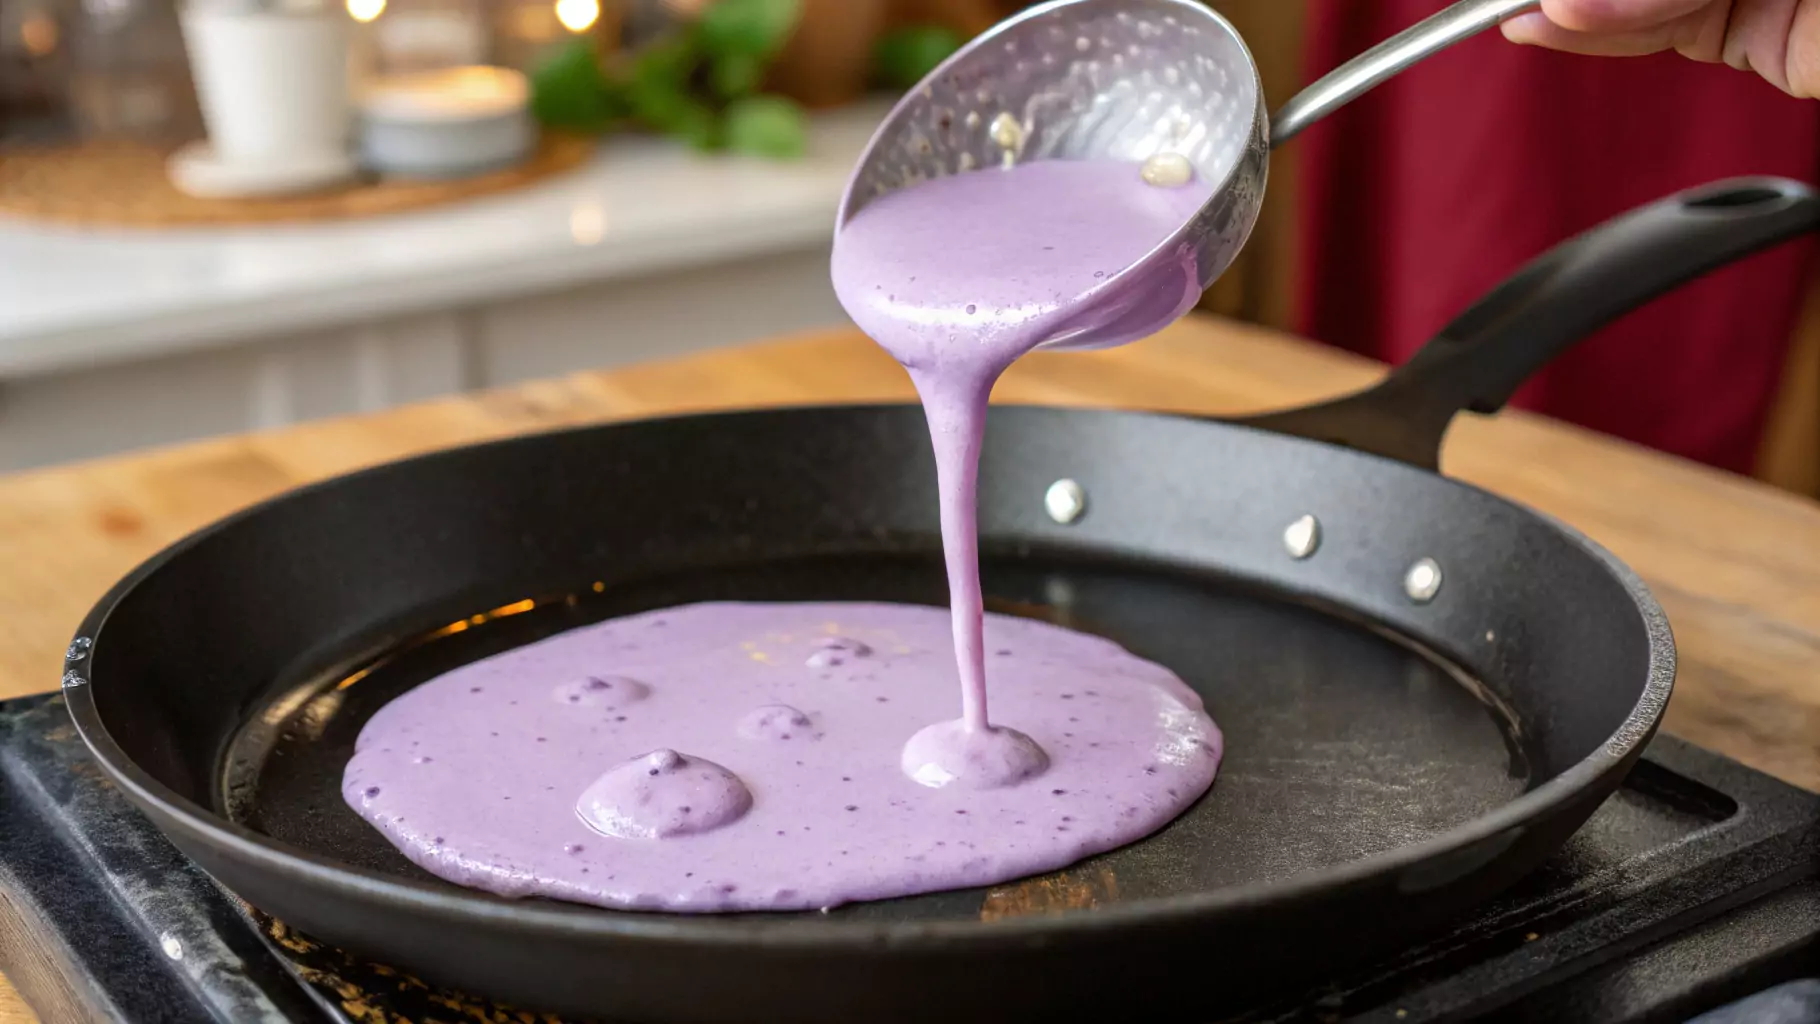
1342, 740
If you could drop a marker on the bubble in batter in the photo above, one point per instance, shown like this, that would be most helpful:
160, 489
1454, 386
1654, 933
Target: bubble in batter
663, 794
777, 722
609, 692
837, 650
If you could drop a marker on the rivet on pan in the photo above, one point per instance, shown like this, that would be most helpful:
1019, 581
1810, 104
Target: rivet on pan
78, 649
172, 946
1302, 537
1423, 580
73, 679
1065, 501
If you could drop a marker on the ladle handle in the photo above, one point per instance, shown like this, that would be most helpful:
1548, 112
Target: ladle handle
1480, 359
1359, 75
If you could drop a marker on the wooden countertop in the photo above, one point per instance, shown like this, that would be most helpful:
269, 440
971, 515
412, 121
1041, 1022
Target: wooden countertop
1736, 564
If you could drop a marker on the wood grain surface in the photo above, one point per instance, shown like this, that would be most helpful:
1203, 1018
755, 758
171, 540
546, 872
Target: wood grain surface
13, 1009
1735, 563
124, 184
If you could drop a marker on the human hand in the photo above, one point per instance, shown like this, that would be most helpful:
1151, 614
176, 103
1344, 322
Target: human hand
1778, 39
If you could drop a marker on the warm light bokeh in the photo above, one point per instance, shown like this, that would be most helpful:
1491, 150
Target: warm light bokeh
578, 15
39, 34
365, 10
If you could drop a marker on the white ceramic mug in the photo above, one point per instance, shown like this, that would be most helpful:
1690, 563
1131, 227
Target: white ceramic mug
273, 84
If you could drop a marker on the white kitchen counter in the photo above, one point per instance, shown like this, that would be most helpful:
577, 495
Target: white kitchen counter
648, 250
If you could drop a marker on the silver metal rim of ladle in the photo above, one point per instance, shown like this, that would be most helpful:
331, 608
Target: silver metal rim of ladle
1224, 223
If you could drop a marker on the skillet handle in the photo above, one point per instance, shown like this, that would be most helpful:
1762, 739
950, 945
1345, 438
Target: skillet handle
1480, 359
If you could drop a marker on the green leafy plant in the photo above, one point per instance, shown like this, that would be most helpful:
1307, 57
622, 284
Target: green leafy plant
700, 83
905, 56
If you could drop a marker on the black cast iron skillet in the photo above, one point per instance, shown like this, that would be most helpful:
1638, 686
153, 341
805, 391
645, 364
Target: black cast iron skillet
1393, 759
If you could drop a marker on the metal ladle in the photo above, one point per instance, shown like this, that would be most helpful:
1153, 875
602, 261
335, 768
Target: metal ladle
1129, 79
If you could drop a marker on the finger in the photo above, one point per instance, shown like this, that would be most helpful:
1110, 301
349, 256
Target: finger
1612, 16
1765, 36
1803, 60
1537, 30
1777, 39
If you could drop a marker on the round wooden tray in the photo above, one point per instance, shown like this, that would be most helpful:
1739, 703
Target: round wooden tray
123, 184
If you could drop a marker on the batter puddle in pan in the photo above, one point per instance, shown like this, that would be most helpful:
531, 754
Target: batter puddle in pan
744, 756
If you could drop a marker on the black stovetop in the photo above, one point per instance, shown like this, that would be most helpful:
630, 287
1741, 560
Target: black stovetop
1696, 885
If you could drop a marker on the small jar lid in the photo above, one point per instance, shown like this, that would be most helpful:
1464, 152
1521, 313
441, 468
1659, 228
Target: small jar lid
471, 93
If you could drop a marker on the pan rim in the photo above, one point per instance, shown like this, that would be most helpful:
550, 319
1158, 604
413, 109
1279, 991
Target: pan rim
175, 812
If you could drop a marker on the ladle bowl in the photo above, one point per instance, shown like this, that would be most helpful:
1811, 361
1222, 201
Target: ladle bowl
1126, 80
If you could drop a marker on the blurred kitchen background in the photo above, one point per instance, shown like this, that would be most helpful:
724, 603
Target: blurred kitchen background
544, 186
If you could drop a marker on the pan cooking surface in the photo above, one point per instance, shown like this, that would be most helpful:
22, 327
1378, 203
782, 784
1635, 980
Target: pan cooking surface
1340, 742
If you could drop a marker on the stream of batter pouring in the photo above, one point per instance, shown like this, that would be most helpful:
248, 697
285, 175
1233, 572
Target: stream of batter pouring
957, 278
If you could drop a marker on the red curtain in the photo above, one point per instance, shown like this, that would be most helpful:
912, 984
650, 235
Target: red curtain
1429, 190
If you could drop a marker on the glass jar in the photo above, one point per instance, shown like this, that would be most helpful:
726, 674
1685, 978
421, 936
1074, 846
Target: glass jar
129, 76
34, 70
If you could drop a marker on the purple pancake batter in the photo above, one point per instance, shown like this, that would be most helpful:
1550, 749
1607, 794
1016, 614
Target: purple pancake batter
792, 756
957, 278
745, 756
